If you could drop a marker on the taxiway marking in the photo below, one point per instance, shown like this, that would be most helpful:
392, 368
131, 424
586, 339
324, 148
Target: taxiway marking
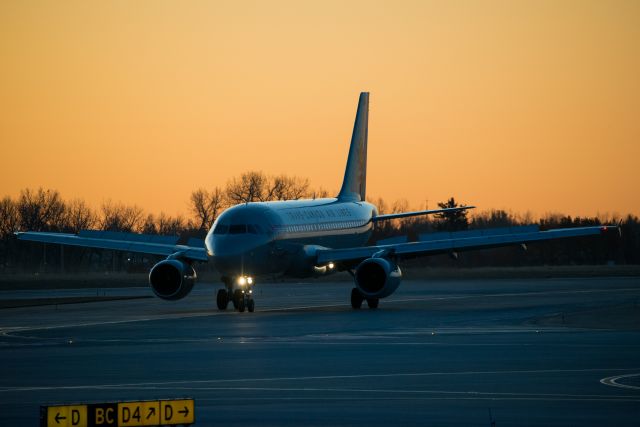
143, 385
613, 381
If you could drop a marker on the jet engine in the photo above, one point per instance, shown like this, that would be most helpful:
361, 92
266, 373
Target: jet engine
172, 279
377, 277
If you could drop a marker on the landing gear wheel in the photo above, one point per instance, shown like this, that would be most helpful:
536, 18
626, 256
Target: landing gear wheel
373, 302
237, 296
241, 305
356, 298
223, 299
251, 305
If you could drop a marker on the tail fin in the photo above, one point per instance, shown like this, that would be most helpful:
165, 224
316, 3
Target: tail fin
355, 176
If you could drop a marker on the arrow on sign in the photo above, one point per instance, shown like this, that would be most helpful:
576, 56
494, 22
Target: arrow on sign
152, 411
185, 412
58, 418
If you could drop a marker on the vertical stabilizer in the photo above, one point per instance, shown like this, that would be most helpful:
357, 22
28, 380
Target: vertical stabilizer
355, 176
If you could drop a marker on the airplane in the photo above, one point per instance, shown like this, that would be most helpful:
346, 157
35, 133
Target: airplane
302, 238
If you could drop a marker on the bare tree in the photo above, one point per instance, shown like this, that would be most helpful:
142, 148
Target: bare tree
119, 217
320, 193
380, 204
40, 210
199, 206
9, 217
170, 226
78, 216
255, 186
250, 187
401, 205
283, 187
398, 206
493, 218
206, 206
149, 225
216, 205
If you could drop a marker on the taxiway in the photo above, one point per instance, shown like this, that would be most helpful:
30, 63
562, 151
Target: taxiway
445, 352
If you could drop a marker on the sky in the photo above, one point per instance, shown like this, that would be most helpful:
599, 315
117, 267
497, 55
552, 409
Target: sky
527, 106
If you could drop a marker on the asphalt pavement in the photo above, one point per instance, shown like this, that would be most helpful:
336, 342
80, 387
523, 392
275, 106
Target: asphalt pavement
444, 352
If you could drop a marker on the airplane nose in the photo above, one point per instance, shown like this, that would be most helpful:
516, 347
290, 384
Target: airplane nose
238, 237
230, 245
236, 257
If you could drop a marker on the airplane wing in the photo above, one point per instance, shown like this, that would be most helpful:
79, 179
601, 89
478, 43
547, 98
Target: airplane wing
127, 242
453, 244
416, 213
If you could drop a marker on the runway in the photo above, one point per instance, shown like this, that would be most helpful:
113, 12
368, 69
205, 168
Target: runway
444, 352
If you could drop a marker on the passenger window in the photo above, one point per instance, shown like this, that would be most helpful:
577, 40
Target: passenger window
237, 229
221, 229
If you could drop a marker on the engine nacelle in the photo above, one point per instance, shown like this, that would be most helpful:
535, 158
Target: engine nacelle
377, 277
172, 279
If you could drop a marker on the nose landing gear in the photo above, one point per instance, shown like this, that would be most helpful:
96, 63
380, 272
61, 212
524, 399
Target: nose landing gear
241, 296
243, 299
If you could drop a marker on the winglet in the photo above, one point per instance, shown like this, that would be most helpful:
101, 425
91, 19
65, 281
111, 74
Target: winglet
355, 176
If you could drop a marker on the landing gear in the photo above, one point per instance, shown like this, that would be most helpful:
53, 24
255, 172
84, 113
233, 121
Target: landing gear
356, 298
245, 301
237, 296
223, 299
241, 297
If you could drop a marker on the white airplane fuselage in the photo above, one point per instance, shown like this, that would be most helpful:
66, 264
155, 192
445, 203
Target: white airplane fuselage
275, 238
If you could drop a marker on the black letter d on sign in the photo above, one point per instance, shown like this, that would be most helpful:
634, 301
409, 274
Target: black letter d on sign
168, 412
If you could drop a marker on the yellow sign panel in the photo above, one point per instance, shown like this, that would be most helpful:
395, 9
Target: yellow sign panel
177, 411
120, 414
151, 411
67, 416
139, 414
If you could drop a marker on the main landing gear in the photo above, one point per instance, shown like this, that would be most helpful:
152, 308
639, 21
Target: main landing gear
357, 298
241, 296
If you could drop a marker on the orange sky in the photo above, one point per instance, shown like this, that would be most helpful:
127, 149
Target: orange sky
504, 104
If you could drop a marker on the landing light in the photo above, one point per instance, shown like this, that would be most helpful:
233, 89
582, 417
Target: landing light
245, 280
331, 265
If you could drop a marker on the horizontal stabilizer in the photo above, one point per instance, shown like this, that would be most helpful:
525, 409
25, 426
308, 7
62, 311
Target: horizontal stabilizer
441, 235
417, 213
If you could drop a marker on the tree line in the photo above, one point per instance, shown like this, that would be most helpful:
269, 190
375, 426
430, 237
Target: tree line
45, 210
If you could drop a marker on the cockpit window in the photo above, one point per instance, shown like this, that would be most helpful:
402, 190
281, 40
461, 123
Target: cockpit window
237, 229
221, 229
